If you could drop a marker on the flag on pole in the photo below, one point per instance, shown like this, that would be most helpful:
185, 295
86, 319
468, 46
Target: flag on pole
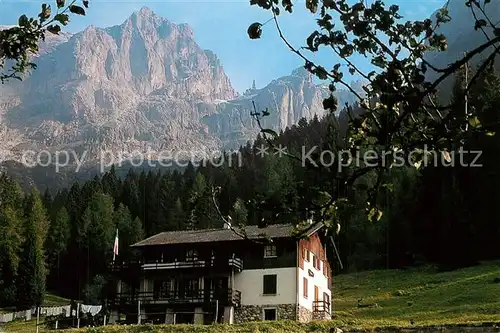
115, 247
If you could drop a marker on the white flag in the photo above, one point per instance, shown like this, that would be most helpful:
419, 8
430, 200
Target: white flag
115, 247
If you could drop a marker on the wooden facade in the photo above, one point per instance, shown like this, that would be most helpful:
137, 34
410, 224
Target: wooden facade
312, 249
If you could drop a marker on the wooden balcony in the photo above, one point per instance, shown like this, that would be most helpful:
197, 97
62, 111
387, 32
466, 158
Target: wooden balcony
173, 265
321, 306
237, 263
221, 263
224, 296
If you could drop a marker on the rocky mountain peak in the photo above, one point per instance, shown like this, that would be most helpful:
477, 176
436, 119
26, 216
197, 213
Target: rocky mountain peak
302, 73
145, 12
144, 85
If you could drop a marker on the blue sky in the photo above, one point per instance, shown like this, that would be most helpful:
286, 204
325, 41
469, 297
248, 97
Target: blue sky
221, 27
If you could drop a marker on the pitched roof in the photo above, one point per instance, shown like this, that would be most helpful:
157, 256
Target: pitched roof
219, 235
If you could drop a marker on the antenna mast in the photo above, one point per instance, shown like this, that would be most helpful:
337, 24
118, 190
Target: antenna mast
466, 98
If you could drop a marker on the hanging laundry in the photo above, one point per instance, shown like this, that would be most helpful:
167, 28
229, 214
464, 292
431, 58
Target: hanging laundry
92, 309
5, 318
67, 310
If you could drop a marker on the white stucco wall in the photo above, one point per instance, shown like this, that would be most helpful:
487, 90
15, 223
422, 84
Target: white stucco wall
250, 283
319, 279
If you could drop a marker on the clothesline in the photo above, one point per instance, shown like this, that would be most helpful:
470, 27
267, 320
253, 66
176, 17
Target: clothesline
53, 310
50, 311
92, 309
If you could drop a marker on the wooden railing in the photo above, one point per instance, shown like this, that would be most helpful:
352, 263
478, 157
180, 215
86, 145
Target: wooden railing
175, 297
321, 306
118, 266
174, 265
236, 263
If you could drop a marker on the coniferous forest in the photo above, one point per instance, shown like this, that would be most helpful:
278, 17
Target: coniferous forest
63, 243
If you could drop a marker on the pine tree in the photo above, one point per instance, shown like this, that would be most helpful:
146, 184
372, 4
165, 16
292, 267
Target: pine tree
130, 231
32, 269
57, 242
239, 213
11, 229
177, 216
96, 233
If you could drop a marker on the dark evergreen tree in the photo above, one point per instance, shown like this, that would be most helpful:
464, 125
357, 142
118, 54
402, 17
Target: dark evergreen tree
32, 268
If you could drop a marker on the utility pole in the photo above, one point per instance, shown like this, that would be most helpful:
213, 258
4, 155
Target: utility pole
216, 310
37, 318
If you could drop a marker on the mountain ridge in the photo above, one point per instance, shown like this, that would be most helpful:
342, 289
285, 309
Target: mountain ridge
143, 84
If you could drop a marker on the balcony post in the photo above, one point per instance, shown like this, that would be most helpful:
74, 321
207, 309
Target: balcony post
138, 312
232, 275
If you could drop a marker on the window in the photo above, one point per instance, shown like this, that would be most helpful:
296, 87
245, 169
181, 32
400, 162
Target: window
317, 263
305, 287
166, 288
191, 255
192, 288
270, 251
270, 284
269, 314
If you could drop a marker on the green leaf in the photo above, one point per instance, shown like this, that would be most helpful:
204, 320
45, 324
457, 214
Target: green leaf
389, 187
45, 13
474, 122
55, 29
270, 132
375, 214
254, 30
23, 20
330, 103
62, 18
490, 133
77, 10
60, 3
312, 5
86, 3
310, 41
321, 73
479, 24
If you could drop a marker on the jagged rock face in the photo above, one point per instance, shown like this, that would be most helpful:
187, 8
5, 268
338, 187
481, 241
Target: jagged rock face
143, 85
288, 99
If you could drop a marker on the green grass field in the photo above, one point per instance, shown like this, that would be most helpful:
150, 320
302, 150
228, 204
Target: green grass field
392, 298
50, 300
426, 296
